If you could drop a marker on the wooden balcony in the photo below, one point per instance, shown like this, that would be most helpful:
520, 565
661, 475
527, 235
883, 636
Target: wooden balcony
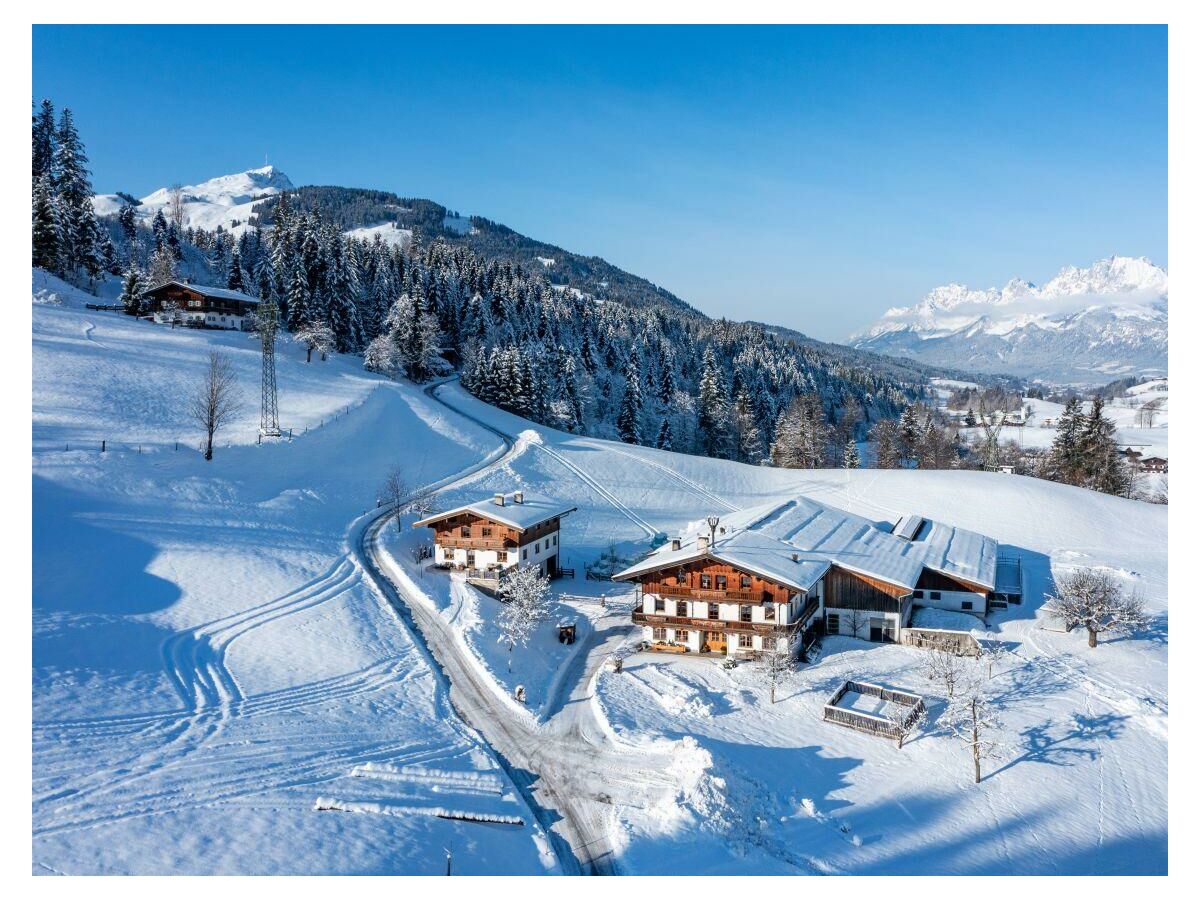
722, 625
672, 590
474, 543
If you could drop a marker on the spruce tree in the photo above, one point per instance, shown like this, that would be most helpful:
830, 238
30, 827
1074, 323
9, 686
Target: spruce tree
47, 230
664, 440
131, 291
43, 142
631, 404
712, 421
850, 457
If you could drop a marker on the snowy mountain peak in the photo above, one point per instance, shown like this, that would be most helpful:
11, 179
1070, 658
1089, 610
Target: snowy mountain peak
226, 200
1108, 318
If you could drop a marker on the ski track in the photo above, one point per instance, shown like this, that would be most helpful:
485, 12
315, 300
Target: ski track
604, 493
697, 489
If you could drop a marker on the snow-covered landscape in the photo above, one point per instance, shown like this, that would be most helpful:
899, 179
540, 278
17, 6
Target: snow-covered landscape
497, 493
221, 684
1086, 325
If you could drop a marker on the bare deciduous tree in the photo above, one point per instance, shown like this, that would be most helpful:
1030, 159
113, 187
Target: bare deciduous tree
526, 594
948, 670
971, 719
1094, 599
779, 664
316, 336
393, 493
218, 399
175, 207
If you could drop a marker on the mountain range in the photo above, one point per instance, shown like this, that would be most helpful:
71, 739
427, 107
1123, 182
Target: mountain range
1084, 326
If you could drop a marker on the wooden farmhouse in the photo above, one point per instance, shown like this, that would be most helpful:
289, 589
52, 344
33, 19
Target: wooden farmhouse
200, 306
760, 579
1153, 464
503, 532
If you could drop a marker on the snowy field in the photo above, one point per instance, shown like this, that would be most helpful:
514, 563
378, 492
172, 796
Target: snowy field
209, 662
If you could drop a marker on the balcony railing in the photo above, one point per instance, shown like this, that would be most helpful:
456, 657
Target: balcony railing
682, 590
658, 619
474, 543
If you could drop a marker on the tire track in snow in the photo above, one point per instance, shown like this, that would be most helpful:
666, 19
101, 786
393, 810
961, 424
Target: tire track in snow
605, 493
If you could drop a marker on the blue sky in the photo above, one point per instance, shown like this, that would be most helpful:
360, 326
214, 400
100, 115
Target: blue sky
809, 177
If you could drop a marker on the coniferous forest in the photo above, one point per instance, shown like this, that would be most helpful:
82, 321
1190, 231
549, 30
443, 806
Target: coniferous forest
618, 358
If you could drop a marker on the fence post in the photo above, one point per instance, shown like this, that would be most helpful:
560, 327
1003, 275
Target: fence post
103, 446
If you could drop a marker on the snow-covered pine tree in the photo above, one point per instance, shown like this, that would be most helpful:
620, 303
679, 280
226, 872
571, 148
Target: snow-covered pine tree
235, 280
850, 457
712, 409
43, 143
1066, 462
47, 229
131, 292
631, 403
664, 440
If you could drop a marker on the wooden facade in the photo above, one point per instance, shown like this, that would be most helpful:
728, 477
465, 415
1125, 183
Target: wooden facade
850, 590
191, 299
475, 532
707, 579
938, 581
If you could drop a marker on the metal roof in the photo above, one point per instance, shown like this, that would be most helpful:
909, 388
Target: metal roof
533, 510
793, 542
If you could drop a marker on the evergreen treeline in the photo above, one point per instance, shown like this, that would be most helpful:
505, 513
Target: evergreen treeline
67, 238
636, 364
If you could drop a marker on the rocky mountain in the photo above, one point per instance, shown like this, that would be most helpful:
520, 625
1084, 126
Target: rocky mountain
1086, 325
227, 200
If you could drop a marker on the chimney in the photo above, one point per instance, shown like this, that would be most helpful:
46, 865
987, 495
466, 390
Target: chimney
676, 543
518, 496
498, 499
702, 543
795, 557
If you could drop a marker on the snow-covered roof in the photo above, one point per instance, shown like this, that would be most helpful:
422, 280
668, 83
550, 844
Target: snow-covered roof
531, 510
210, 291
794, 542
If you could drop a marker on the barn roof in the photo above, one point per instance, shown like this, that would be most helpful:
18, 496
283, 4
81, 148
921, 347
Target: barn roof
531, 511
218, 293
793, 542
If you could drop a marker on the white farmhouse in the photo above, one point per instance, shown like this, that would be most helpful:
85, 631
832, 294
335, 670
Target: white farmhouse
498, 533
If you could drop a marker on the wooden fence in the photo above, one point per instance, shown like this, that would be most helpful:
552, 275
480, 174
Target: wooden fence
960, 643
866, 722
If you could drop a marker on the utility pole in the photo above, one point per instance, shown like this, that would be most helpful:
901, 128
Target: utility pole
268, 321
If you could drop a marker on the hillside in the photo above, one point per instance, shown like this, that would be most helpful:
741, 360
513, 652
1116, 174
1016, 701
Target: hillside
1086, 325
210, 659
357, 208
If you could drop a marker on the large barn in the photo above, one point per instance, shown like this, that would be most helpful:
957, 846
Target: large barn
199, 305
758, 579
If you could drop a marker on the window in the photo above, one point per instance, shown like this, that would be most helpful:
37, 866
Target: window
485, 531
660, 634
555, 539
833, 623
935, 595
769, 612
465, 531
660, 605
968, 605
537, 548
746, 613
745, 641
722, 582
705, 582
714, 611
918, 595
681, 608
524, 553
745, 582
